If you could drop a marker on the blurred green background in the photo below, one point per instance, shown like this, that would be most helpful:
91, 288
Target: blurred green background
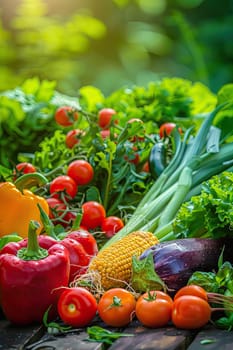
112, 43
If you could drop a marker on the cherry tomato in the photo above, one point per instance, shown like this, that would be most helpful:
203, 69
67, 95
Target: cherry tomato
116, 307
106, 133
154, 309
190, 312
59, 213
134, 157
79, 259
81, 171
86, 239
77, 307
93, 214
105, 117
146, 167
63, 184
111, 225
56, 207
166, 129
73, 137
24, 168
192, 290
66, 115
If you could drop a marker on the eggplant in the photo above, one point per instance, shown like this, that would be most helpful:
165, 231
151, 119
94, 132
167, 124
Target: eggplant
175, 261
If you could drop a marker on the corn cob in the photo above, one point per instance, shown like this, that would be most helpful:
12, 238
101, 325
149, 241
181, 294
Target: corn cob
114, 263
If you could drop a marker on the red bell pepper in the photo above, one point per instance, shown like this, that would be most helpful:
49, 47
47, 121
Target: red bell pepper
31, 279
81, 245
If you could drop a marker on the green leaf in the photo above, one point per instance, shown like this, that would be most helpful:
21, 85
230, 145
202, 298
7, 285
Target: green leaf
144, 276
102, 335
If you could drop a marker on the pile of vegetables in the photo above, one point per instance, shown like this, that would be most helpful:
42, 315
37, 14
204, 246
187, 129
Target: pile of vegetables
136, 189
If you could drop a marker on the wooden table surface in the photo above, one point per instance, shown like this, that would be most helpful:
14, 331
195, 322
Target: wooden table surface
169, 338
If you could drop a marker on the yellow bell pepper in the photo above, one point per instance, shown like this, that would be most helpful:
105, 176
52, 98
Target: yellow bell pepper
18, 208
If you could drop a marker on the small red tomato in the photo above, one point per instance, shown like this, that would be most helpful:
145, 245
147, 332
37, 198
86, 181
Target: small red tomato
154, 309
81, 171
190, 312
79, 259
146, 167
192, 289
133, 157
66, 115
105, 117
86, 239
63, 184
111, 225
116, 307
25, 168
93, 214
73, 137
166, 129
56, 207
106, 133
77, 307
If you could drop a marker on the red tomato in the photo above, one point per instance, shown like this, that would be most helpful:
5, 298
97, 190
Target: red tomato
134, 158
86, 239
93, 214
81, 171
111, 225
190, 312
106, 133
79, 259
25, 168
166, 129
154, 309
192, 290
146, 167
56, 207
77, 307
63, 184
73, 137
66, 115
116, 307
105, 117
59, 213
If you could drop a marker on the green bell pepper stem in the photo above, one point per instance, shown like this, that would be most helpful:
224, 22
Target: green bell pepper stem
33, 251
27, 181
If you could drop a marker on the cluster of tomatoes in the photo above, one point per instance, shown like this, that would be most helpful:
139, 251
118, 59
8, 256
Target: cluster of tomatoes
65, 187
117, 307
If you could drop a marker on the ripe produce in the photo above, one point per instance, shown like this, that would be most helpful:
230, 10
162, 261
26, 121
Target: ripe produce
170, 264
75, 242
93, 214
18, 208
80, 171
154, 309
73, 137
77, 307
63, 185
114, 263
111, 225
24, 168
166, 129
190, 312
66, 115
105, 117
30, 279
116, 307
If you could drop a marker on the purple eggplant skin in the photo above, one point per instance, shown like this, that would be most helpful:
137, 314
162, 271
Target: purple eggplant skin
175, 261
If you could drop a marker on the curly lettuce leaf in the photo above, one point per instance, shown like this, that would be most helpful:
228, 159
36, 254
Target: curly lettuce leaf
209, 214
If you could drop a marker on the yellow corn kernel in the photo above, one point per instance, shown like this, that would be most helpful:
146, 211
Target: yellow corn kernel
114, 263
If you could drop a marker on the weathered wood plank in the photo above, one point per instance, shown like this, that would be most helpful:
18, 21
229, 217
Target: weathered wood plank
12, 337
166, 338
219, 339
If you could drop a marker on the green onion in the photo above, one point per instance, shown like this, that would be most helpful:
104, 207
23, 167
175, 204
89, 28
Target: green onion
196, 159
